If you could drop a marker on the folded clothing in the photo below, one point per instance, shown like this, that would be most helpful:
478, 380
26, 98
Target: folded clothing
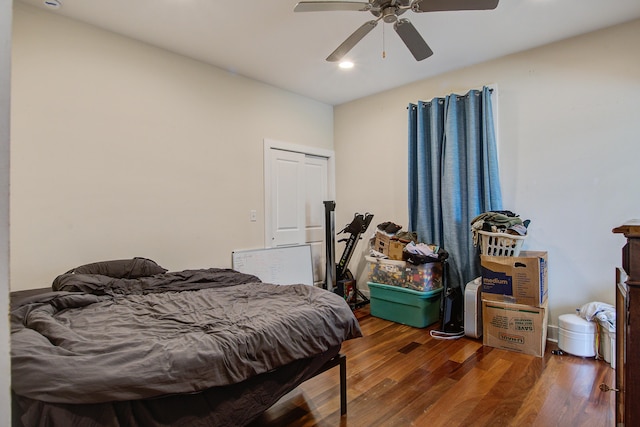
498, 222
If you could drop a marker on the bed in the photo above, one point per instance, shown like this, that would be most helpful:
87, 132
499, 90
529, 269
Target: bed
126, 342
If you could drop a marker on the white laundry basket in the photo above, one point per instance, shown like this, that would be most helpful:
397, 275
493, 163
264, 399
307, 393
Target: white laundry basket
500, 244
607, 343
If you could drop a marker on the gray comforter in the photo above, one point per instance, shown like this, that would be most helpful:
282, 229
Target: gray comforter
101, 339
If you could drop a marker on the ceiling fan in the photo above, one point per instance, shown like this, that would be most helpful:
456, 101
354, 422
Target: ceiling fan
389, 11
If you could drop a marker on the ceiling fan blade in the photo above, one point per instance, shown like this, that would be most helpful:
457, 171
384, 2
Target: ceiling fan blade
412, 38
351, 41
446, 5
331, 5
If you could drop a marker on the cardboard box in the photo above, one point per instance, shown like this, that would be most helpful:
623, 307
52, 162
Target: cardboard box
384, 244
515, 327
396, 247
381, 243
519, 280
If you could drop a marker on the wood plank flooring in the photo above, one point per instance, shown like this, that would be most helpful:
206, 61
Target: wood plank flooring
401, 376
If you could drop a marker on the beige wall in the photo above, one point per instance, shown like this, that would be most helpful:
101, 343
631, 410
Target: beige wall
121, 149
569, 146
5, 68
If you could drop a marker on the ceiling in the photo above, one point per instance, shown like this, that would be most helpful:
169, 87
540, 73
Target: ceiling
266, 41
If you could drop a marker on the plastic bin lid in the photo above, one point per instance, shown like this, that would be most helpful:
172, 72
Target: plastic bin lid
400, 289
372, 260
575, 323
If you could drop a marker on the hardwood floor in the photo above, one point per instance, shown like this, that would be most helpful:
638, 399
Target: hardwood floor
401, 376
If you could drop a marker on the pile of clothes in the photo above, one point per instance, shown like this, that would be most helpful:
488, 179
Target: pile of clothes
422, 253
499, 222
602, 312
394, 231
414, 252
604, 316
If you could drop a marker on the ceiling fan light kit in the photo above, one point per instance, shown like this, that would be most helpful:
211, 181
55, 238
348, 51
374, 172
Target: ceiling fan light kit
389, 11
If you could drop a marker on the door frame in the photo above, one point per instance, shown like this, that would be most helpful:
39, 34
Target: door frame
272, 144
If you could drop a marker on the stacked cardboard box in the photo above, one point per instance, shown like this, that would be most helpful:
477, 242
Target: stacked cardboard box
514, 302
388, 246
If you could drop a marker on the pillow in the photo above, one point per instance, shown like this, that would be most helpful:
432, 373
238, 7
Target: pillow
121, 269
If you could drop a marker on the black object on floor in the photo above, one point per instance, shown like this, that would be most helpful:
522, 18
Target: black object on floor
452, 311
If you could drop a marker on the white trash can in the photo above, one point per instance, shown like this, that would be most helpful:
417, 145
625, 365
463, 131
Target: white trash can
576, 335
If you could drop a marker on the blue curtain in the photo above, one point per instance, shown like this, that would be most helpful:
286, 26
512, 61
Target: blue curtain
453, 175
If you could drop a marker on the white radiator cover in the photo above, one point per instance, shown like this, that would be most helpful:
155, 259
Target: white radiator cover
473, 308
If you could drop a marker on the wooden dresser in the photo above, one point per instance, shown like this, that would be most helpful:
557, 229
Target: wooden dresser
628, 328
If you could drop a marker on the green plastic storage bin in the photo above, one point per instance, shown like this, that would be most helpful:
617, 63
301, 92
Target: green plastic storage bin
406, 306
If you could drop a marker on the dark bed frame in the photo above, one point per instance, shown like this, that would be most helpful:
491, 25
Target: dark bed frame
340, 360
52, 411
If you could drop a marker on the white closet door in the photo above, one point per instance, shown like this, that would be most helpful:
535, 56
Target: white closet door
287, 198
298, 180
316, 192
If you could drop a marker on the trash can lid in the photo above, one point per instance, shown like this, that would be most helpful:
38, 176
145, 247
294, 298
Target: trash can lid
575, 323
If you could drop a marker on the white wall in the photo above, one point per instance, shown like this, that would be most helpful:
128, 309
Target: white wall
121, 149
569, 150
5, 69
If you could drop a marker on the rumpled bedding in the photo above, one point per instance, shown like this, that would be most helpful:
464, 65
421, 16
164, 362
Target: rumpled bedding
100, 339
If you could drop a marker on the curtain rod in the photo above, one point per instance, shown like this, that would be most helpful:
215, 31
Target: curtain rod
441, 99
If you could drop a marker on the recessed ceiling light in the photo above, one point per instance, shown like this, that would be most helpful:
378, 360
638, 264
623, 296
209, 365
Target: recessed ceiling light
53, 4
346, 65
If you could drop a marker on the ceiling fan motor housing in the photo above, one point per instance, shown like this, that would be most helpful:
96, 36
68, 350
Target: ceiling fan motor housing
389, 15
388, 10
